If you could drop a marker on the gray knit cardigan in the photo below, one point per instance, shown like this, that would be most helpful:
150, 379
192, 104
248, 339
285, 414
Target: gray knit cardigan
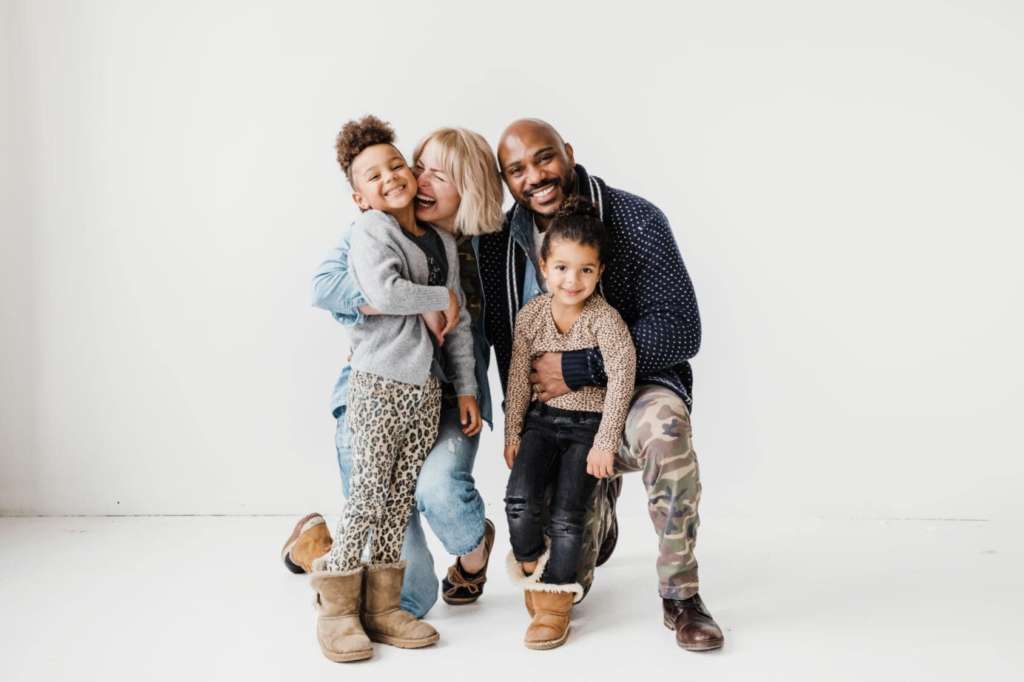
392, 272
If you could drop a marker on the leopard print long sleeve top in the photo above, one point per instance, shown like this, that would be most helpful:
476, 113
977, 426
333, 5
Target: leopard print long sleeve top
600, 326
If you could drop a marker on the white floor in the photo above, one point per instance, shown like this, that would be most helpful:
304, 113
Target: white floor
164, 598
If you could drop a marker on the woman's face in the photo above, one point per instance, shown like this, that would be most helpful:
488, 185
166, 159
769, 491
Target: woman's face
437, 199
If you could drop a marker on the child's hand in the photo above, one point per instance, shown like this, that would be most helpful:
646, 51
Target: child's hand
600, 463
452, 314
510, 454
435, 323
469, 412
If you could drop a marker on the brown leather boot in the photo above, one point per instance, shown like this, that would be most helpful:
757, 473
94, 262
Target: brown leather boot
550, 625
528, 598
338, 629
310, 540
383, 618
695, 629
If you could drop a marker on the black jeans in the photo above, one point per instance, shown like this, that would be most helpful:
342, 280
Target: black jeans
554, 447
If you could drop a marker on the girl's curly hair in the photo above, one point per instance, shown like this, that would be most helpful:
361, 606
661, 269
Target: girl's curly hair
577, 220
355, 136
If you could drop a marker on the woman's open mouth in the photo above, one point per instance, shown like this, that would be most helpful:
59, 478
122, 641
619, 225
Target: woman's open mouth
425, 201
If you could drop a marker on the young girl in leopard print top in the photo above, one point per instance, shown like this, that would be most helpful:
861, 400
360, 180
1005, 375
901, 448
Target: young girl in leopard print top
571, 439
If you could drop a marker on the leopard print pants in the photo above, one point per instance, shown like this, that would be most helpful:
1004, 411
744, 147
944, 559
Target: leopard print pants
393, 427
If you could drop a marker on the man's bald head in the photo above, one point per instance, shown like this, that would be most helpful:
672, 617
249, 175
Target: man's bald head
534, 125
537, 165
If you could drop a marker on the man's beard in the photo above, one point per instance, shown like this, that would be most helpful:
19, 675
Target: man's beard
568, 186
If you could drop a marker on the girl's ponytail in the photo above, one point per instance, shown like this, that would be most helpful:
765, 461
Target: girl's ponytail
577, 220
574, 205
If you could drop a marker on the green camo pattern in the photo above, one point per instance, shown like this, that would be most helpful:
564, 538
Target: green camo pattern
658, 442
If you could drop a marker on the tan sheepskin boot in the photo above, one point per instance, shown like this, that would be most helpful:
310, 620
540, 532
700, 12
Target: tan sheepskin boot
383, 618
338, 597
550, 625
548, 605
309, 540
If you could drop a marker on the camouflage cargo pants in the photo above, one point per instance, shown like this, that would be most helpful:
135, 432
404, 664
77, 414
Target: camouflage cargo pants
657, 442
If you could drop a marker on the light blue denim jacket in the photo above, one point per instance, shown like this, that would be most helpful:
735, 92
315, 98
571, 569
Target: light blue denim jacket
335, 290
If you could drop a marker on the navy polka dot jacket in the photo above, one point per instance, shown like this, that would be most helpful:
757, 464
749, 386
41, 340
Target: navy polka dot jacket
644, 279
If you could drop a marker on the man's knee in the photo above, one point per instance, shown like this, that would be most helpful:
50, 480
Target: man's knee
658, 429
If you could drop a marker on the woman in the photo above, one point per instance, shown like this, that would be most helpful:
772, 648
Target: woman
459, 191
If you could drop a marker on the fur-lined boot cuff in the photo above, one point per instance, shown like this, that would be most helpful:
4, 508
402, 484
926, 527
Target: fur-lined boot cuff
532, 582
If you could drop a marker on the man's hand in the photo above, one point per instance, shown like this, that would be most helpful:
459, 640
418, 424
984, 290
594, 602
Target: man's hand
367, 309
510, 454
469, 412
435, 323
600, 463
452, 314
546, 376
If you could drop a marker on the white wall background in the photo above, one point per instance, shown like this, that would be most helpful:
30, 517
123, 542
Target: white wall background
844, 181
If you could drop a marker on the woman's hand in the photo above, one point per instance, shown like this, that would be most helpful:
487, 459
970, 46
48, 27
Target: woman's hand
452, 314
435, 324
469, 413
600, 463
510, 454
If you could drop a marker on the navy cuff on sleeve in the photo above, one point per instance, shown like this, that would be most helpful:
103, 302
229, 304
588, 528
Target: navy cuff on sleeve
576, 370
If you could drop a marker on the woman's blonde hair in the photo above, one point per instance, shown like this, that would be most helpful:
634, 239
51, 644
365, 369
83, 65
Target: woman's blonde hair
468, 160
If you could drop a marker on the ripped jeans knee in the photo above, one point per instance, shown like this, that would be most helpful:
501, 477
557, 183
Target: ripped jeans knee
524, 526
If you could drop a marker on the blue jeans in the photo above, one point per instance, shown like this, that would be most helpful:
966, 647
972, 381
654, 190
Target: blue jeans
554, 449
446, 495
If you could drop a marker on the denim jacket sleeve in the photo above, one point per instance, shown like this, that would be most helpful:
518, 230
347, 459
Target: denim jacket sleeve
335, 288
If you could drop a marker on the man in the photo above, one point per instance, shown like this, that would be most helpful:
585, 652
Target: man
646, 280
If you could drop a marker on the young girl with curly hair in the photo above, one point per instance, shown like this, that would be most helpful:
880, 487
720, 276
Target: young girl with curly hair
406, 271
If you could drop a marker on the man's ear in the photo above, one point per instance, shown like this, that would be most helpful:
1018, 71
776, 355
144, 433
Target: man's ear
361, 201
568, 152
